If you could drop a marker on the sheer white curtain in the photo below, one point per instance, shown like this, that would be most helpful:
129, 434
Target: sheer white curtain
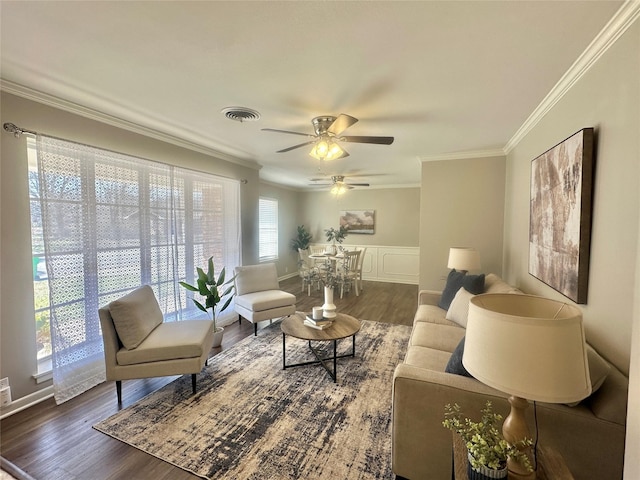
113, 222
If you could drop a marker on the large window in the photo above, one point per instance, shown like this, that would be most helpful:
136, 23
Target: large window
104, 223
268, 244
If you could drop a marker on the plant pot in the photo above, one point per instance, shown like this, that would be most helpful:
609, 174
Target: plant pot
217, 336
485, 473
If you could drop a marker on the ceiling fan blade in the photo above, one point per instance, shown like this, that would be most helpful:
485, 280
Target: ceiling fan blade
295, 146
287, 131
358, 184
341, 123
376, 140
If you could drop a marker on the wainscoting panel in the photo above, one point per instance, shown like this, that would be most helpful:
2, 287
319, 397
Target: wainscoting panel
389, 264
397, 265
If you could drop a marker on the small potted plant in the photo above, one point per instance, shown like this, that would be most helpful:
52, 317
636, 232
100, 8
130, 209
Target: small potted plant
336, 235
208, 286
487, 449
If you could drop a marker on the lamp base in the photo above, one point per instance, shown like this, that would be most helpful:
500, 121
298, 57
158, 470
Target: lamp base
515, 429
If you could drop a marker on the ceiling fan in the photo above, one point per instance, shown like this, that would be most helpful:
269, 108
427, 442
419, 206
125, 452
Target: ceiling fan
338, 185
328, 131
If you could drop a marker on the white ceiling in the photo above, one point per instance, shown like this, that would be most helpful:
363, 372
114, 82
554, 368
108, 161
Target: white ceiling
439, 76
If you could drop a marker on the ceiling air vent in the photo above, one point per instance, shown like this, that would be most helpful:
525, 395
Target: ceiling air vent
241, 114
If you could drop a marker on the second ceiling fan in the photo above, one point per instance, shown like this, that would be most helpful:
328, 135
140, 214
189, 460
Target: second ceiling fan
328, 132
338, 185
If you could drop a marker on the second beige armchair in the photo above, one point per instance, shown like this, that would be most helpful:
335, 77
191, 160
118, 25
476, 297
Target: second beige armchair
258, 295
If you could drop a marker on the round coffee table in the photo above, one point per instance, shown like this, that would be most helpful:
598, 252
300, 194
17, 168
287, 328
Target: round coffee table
343, 326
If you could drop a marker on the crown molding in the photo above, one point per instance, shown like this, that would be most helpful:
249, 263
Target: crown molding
497, 152
74, 108
617, 25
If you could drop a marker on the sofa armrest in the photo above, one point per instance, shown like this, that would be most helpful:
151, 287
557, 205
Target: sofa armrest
421, 446
429, 297
591, 447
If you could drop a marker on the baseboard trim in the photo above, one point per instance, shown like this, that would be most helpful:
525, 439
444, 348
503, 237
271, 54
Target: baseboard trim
27, 401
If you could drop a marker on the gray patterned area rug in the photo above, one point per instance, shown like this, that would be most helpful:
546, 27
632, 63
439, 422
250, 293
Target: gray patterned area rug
250, 419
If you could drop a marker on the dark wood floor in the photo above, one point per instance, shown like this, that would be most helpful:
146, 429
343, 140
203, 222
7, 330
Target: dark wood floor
51, 442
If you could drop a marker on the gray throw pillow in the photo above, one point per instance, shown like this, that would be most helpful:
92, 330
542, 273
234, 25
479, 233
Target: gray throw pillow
454, 365
455, 281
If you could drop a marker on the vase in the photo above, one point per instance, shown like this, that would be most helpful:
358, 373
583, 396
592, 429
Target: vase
329, 308
484, 473
217, 336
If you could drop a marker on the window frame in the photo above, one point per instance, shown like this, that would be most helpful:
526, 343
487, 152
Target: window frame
268, 248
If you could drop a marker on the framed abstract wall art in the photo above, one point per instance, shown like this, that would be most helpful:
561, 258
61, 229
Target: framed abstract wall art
560, 215
358, 221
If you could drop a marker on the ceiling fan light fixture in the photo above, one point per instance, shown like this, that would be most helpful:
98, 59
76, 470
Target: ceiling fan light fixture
326, 149
338, 189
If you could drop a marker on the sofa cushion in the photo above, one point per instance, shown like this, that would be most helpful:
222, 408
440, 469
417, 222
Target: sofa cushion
169, 341
432, 314
428, 358
266, 300
135, 316
454, 365
455, 281
438, 337
459, 308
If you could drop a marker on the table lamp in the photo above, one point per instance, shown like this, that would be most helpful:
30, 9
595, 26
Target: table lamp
463, 259
530, 347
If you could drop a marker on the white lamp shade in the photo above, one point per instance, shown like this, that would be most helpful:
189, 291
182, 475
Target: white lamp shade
528, 346
463, 258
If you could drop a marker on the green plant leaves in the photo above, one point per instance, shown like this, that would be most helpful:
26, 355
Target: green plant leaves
207, 286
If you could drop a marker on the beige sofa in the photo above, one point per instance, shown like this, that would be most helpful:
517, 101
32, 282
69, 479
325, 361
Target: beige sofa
589, 436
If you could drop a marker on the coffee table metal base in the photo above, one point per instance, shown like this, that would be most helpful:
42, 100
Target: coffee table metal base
319, 360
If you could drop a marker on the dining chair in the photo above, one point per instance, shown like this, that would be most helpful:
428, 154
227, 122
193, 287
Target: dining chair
359, 268
307, 270
347, 272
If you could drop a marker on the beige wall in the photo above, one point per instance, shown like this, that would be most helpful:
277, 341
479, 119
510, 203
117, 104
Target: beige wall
462, 205
397, 214
17, 326
606, 98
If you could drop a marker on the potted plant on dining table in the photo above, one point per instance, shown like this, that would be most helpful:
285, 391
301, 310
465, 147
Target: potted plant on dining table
335, 235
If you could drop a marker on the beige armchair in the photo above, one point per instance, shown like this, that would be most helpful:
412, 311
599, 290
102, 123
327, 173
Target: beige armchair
139, 344
258, 295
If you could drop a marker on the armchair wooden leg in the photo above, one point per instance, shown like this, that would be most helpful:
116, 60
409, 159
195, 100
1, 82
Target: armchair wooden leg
193, 382
255, 329
119, 390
